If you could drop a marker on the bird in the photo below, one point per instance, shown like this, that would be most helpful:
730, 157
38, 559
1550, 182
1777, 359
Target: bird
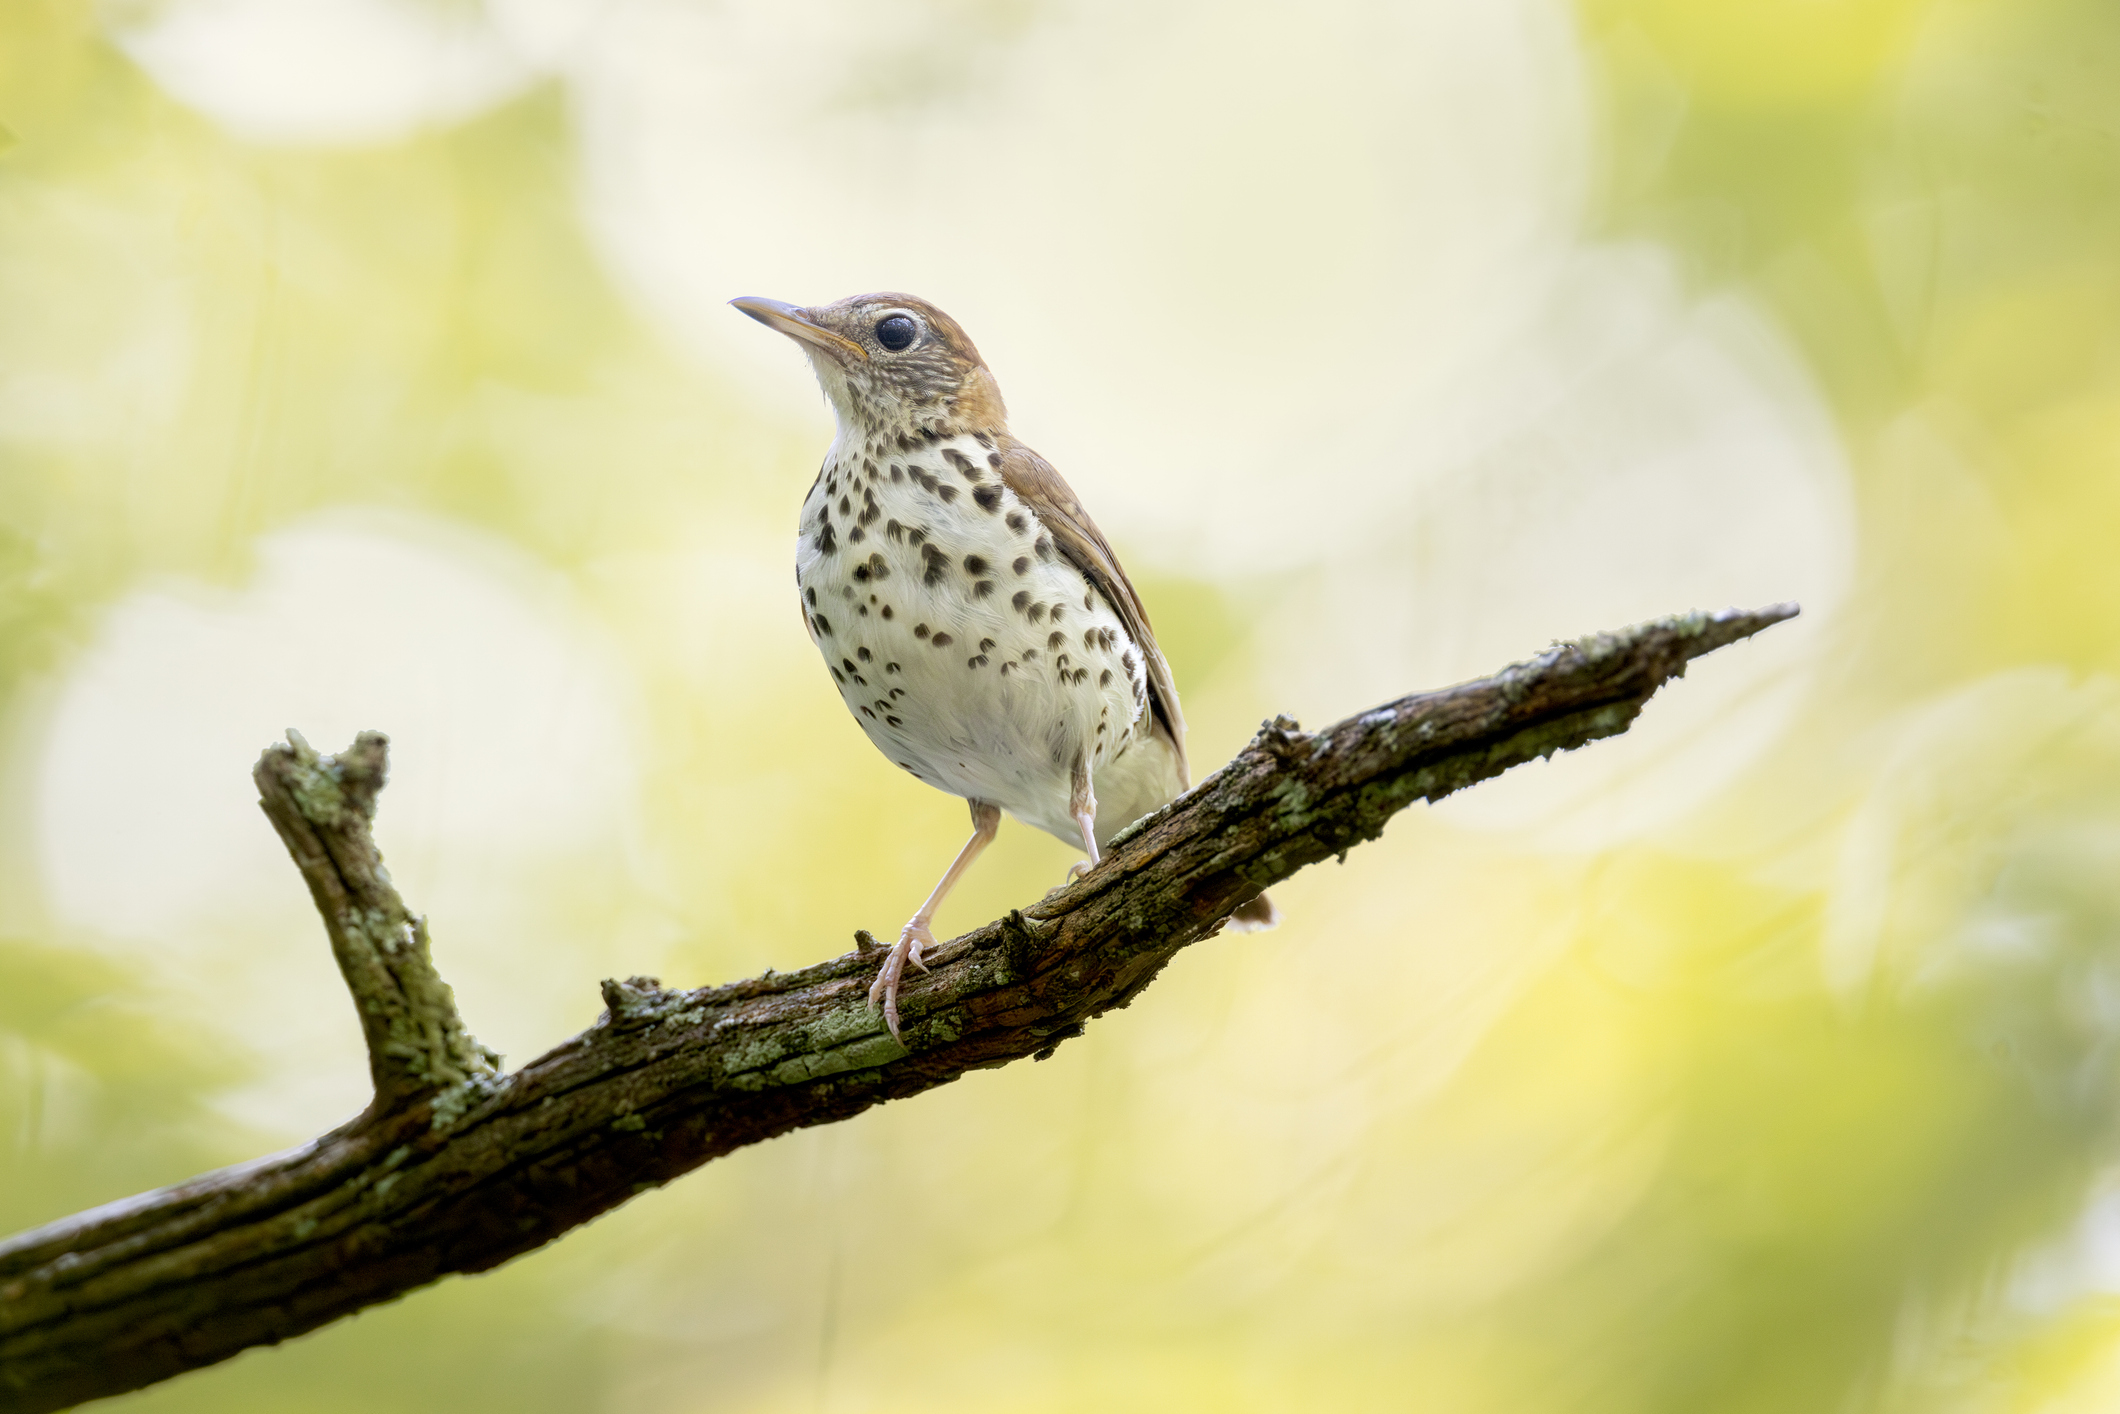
976, 622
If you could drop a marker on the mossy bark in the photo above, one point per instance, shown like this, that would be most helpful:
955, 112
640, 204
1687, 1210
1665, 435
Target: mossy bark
456, 1169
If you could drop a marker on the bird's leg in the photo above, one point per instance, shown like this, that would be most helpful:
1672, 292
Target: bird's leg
986, 820
1082, 804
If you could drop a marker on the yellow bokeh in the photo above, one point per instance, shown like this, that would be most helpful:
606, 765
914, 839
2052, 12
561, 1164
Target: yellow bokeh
364, 363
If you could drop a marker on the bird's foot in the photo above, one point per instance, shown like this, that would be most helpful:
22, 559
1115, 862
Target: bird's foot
884, 990
1074, 872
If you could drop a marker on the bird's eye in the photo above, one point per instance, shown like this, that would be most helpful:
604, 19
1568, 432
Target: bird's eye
896, 332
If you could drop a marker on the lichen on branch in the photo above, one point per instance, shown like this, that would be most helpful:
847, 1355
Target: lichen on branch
323, 808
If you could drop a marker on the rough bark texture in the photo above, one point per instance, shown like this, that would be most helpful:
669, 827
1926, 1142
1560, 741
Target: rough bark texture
457, 1169
323, 807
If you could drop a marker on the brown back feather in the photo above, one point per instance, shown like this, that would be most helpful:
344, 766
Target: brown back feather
1035, 482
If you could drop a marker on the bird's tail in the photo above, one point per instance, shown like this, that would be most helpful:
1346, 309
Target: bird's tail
1256, 916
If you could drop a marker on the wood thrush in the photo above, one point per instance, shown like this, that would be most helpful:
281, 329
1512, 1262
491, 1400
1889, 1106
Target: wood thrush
976, 621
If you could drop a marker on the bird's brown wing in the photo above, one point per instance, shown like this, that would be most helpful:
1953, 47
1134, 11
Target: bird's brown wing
1035, 483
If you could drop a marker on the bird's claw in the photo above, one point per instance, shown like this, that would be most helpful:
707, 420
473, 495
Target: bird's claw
884, 990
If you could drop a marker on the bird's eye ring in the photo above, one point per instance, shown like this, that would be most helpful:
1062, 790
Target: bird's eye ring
897, 332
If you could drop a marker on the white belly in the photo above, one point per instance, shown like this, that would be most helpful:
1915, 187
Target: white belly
967, 647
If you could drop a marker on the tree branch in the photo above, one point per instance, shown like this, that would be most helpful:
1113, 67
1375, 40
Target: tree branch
323, 807
455, 1169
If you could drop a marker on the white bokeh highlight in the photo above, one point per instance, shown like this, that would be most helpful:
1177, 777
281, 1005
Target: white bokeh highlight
344, 72
512, 748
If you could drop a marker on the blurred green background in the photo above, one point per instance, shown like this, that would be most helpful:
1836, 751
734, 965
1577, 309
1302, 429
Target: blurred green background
363, 364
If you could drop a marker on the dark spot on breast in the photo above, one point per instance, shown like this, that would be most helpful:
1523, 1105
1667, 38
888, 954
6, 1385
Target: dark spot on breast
988, 497
974, 565
962, 462
983, 588
811, 595
1022, 564
823, 624
1126, 661
1104, 679
1017, 523
938, 565
890, 667
920, 630
904, 443
929, 434
1020, 600
846, 507
896, 692
947, 493
863, 654
856, 536
868, 466
893, 721
1085, 599
1044, 546
982, 439
839, 677
1035, 612
916, 536
986, 645
1059, 662
861, 574
1030, 655
879, 567
847, 663
943, 640
862, 609
893, 529
867, 713
825, 540
977, 662
993, 459
887, 611
897, 472
1007, 668
1054, 640
1057, 609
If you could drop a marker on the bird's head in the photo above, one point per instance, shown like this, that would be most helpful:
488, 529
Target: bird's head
890, 363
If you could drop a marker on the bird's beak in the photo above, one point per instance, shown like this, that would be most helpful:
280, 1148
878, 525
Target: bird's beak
795, 322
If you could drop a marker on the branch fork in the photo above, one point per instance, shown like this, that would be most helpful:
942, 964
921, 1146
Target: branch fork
324, 808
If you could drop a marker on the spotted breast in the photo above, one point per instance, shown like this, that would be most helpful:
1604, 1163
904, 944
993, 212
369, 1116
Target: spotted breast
971, 650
